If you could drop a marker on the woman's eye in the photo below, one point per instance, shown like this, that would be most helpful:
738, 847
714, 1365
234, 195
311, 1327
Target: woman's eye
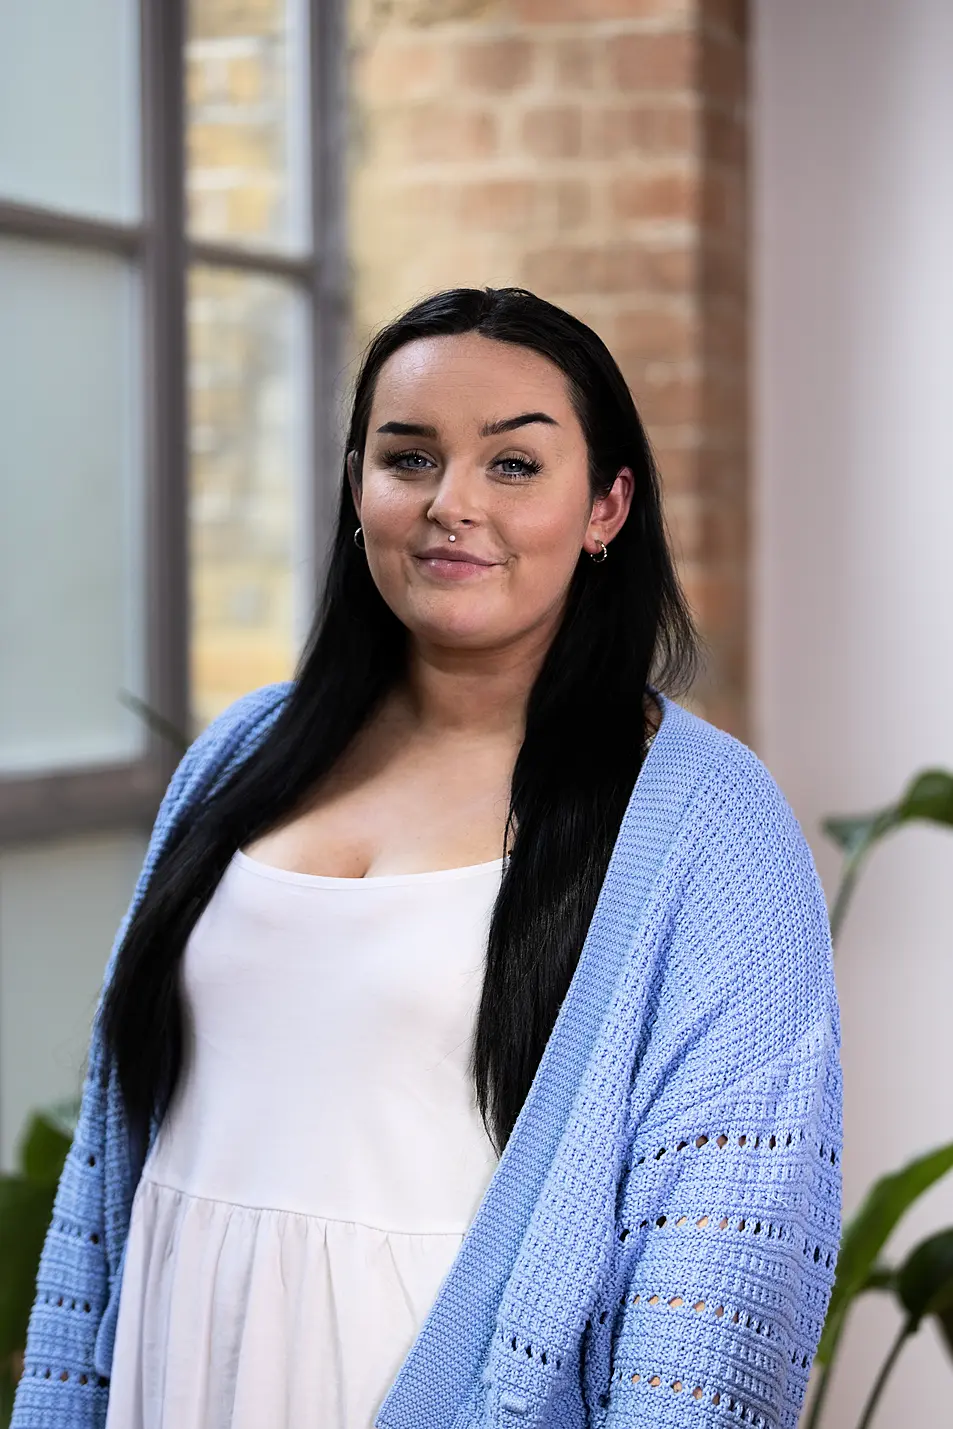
517, 466
406, 461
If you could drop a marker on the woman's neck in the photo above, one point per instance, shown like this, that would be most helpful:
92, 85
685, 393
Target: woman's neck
470, 692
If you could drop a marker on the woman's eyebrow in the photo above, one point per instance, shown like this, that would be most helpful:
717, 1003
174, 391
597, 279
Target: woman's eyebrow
406, 429
489, 429
509, 424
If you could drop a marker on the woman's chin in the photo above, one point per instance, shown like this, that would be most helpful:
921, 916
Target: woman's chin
466, 628
472, 636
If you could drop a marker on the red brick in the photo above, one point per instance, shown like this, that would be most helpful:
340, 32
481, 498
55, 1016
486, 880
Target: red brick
684, 516
678, 465
553, 132
725, 337
615, 268
722, 68
707, 530
496, 65
556, 270
653, 62
655, 335
716, 595
650, 129
670, 194
497, 204
724, 137
571, 202
577, 63
725, 708
671, 401
723, 266
726, 394
387, 72
560, 11
429, 132
718, 696
401, 210
724, 200
721, 473
674, 270
730, 15
725, 401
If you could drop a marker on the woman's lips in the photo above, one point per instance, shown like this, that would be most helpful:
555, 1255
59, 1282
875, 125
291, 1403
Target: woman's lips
454, 568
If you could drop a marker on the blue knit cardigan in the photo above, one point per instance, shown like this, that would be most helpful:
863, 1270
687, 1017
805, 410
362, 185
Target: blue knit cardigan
657, 1244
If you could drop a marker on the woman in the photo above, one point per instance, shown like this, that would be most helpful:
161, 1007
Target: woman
469, 885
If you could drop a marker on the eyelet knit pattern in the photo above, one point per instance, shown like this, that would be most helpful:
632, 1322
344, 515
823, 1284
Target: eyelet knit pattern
658, 1243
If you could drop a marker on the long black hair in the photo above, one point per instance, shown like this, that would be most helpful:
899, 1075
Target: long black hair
625, 625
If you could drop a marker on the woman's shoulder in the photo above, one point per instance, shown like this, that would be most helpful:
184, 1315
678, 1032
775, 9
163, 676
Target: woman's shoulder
242, 717
227, 737
738, 839
747, 905
728, 785
748, 879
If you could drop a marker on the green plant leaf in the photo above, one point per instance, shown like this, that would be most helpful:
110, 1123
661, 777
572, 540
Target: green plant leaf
945, 1322
867, 1232
944, 1319
928, 796
7, 1390
925, 1280
879, 1277
852, 834
44, 1146
154, 721
25, 1210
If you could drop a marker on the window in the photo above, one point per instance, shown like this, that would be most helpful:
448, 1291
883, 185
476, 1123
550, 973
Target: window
171, 305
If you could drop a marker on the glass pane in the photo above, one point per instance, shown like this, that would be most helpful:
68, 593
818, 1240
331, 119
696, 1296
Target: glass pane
249, 508
70, 521
61, 902
246, 74
69, 105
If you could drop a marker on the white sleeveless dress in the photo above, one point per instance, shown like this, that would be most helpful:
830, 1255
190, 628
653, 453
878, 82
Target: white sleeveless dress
323, 1156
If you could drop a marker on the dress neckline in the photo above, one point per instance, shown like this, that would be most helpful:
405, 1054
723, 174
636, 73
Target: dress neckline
376, 880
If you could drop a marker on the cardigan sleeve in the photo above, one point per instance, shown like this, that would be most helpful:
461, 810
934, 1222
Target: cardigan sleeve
61, 1387
728, 1216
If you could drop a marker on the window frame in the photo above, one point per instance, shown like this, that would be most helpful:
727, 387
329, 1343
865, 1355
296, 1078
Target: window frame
127, 794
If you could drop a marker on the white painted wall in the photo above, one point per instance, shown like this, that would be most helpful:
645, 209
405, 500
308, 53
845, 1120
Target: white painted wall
853, 241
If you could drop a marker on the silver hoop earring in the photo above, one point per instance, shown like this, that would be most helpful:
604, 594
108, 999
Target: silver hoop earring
602, 554
359, 539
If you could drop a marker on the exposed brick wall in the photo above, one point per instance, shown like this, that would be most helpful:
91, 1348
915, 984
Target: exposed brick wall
594, 151
242, 466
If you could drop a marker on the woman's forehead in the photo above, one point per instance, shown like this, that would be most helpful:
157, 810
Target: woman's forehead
474, 372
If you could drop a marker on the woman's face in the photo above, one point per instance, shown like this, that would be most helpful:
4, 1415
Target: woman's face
477, 439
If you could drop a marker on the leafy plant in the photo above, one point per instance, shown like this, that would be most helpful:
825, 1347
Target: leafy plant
923, 1284
155, 721
26, 1205
928, 796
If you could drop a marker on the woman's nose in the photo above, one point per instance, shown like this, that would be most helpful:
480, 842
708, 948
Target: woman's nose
456, 499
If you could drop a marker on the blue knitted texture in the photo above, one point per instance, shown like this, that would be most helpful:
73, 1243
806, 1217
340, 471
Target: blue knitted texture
69, 1342
658, 1243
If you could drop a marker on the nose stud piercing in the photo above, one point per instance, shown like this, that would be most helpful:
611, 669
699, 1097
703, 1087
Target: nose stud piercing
451, 537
